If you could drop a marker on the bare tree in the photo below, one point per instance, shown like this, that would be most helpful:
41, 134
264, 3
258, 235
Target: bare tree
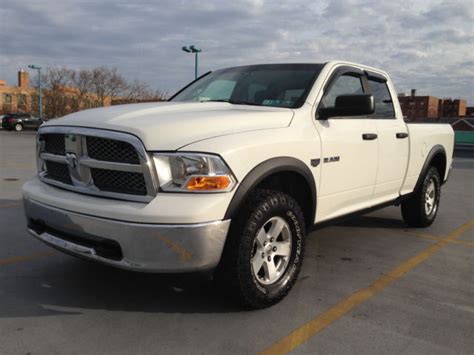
56, 82
68, 90
138, 91
107, 83
81, 80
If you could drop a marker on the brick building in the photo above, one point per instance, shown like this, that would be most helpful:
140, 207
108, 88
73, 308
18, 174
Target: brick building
58, 102
17, 98
470, 111
453, 108
417, 108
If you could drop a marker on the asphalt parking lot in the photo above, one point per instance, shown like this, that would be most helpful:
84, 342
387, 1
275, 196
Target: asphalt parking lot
368, 285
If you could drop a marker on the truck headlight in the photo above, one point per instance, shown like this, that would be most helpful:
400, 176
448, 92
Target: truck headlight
193, 172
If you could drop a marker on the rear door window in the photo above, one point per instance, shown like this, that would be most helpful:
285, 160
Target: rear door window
382, 98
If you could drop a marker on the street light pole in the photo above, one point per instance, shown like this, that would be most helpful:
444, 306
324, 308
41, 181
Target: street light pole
195, 65
40, 92
195, 50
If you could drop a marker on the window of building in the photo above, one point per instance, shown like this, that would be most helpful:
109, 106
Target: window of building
7, 98
21, 99
382, 98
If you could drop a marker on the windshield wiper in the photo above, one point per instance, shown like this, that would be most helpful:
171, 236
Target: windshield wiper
233, 102
220, 100
245, 103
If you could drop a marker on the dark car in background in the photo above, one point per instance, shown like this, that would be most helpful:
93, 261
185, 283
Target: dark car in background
20, 121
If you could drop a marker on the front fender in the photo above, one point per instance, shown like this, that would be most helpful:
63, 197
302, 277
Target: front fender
266, 169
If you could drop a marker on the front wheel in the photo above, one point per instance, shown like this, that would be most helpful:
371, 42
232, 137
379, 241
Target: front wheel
18, 127
421, 208
264, 252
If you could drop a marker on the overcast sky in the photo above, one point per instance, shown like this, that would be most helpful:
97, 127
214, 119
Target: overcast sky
428, 45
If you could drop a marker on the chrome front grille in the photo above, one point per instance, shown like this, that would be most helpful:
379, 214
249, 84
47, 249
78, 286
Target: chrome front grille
54, 144
111, 150
119, 181
96, 162
58, 171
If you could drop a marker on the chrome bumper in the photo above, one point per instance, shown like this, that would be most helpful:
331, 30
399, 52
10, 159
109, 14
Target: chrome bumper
132, 246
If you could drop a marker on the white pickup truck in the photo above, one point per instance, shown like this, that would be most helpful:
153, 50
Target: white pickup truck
231, 172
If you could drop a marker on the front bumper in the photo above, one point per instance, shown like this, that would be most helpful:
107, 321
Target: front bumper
133, 246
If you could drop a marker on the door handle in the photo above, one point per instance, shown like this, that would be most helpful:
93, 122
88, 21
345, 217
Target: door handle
402, 135
369, 136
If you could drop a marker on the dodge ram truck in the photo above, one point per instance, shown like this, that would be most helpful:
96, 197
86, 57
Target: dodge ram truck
231, 172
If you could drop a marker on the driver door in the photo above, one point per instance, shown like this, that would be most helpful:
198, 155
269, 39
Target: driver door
349, 151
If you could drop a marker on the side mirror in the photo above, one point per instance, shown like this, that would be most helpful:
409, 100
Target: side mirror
349, 105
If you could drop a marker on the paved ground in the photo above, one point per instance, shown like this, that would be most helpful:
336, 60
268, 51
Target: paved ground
369, 285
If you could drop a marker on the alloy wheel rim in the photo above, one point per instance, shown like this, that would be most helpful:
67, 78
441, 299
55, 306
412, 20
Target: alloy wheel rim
430, 197
271, 251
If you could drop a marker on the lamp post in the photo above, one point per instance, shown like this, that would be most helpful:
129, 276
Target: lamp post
40, 93
193, 49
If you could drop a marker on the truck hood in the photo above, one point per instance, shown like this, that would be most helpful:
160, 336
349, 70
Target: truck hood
172, 125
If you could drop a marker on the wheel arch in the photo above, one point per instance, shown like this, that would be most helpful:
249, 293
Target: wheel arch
286, 174
437, 158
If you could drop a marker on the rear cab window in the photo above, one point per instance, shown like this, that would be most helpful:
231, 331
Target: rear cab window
383, 101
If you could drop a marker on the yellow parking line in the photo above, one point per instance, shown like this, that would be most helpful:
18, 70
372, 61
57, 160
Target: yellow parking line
314, 326
10, 205
432, 237
17, 259
184, 254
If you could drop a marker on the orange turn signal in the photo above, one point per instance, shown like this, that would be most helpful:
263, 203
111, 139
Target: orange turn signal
208, 183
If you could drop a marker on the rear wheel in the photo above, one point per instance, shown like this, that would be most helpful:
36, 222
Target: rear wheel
18, 127
421, 208
265, 248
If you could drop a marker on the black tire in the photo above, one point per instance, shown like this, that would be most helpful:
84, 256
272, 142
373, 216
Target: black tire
18, 127
414, 210
236, 270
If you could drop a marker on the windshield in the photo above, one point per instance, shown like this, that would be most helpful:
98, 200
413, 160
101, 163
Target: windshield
280, 85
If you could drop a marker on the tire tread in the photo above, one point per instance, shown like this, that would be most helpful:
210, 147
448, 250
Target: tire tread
230, 272
413, 211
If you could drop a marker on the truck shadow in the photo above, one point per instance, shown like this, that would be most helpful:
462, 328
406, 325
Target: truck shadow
65, 285
373, 222
364, 221
60, 284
